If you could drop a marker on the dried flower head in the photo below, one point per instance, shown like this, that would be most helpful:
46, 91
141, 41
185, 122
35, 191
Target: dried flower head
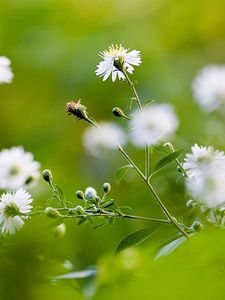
77, 109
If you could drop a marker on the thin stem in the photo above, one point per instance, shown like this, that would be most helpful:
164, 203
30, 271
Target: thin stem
163, 207
146, 161
133, 89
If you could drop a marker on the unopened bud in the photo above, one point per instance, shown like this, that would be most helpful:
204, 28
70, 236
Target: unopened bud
47, 175
80, 195
52, 212
106, 187
169, 145
90, 193
60, 230
191, 204
197, 226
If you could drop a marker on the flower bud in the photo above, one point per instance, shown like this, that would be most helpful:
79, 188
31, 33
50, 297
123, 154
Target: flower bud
90, 193
80, 195
47, 175
191, 204
197, 226
119, 113
106, 187
60, 230
52, 212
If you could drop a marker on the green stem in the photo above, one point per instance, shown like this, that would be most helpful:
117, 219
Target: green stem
163, 207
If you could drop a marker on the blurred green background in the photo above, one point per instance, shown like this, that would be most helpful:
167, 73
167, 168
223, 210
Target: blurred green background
54, 48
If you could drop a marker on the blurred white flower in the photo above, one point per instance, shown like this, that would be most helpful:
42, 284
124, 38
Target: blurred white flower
209, 87
205, 168
90, 193
114, 58
6, 74
17, 169
203, 159
153, 124
108, 137
13, 209
209, 188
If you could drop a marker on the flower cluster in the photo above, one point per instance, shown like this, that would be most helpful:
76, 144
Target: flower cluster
205, 168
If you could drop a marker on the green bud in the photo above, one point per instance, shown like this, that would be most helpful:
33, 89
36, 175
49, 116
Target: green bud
52, 212
47, 175
106, 187
191, 204
60, 230
197, 226
80, 195
119, 113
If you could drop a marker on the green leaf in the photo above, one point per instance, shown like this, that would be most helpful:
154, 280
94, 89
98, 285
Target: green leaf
170, 246
107, 203
60, 193
162, 149
121, 172
149, 101
165, 161
136, 237
76, 275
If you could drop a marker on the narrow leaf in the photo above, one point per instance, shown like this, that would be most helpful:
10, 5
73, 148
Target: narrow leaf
121, 172
60, 193
165, 161
136, 237
170, 247
76, 275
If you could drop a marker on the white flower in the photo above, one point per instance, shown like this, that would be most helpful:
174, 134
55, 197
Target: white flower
209, 87
153, 124
209, 188
205, 168
120, 57
6, 74
17, 169
202, 159
108, 137
90, 193
13, 209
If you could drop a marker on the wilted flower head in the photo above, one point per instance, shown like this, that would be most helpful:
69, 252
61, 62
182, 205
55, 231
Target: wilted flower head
205, 168
153, 124
77, 109
13, 210
109, 136
17, 169
209, 87
115, 60
6, 74
202, 159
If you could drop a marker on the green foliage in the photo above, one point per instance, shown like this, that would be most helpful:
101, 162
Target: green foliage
121, 172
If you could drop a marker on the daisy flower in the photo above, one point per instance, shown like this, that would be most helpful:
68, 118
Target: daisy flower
17, 169
209, 188
6, 74
209, 87
153, 124
109, 136
202, 159
13, 210
115, 60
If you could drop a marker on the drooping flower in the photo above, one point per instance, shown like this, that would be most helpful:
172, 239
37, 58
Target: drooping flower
109, 136
6, 74
202, 159
205, 168
14, 208
209, 87
17, 169
115, 60
153, 124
